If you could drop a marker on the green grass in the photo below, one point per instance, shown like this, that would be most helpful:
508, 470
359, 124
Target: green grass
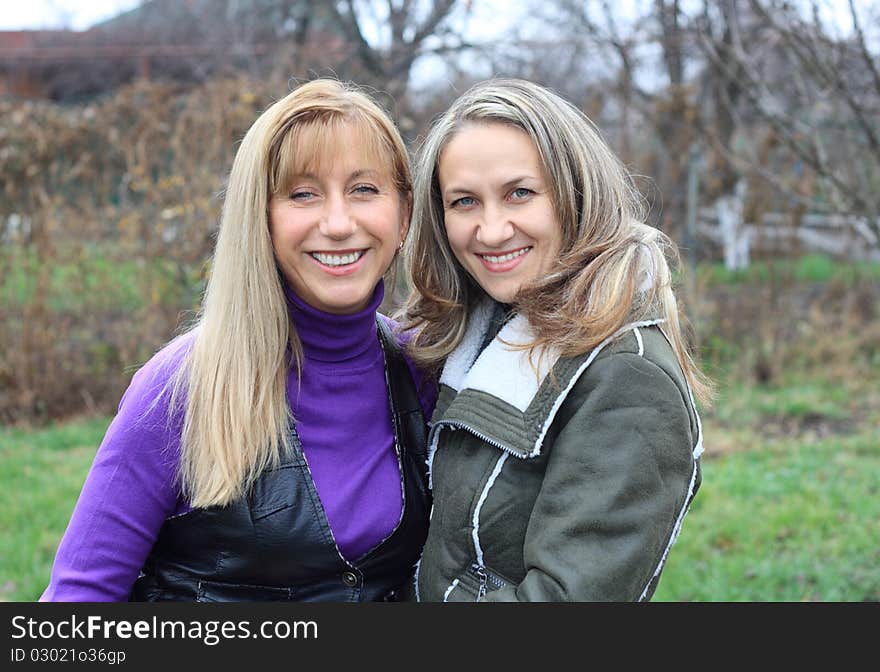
788, 522
789, 509
814, 398
41, 474
90, 278
808, 268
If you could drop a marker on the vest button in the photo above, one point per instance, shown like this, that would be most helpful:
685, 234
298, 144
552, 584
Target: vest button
349, 579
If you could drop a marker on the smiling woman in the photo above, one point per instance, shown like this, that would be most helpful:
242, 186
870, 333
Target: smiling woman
338, 219
275, 451
547, 304
500, 218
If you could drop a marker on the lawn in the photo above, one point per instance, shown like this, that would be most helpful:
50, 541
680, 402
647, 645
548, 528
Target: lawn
41, 473
789, 509
790, 521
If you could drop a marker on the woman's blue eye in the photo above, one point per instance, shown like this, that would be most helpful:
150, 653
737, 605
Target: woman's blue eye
301, 195
366, 189
463, 202
521, 192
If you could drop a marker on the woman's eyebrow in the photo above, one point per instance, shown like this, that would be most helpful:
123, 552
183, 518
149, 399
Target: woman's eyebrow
516, 180
364, 172
504, 186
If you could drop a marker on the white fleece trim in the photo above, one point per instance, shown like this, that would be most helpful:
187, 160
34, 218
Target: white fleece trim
516, 383
506, 373
462, 358
449, 590
432, 448
641, 343
475, 533
675, 530
561, 397
416, 579
698, 447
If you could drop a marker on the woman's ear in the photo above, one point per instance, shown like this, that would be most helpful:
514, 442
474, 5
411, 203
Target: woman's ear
405, 217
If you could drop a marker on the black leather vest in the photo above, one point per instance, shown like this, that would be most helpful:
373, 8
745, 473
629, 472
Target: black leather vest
275, 544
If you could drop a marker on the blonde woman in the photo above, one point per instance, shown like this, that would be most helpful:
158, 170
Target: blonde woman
262, 455
564, 448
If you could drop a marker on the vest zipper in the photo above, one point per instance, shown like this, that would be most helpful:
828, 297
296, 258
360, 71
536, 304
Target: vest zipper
396, 430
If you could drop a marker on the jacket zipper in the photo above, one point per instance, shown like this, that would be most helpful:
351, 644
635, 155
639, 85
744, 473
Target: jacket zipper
486, 580
460, 425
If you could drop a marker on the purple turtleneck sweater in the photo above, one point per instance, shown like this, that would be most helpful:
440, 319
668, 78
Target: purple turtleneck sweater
342, 416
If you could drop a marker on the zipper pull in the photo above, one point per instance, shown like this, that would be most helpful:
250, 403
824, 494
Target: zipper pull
484, 578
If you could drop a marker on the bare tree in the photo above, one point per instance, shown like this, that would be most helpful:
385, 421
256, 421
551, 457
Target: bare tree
756, 90
649, 111
806, 98
401, 32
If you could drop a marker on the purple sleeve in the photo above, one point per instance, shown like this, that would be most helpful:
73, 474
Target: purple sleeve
129, 492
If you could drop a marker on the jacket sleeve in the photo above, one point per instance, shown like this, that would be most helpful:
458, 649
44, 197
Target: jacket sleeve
619, 476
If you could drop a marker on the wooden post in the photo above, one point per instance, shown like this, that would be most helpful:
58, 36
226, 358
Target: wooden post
144, 64
692, 204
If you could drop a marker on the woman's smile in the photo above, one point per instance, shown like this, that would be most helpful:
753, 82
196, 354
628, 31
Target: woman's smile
339, 263
501, 262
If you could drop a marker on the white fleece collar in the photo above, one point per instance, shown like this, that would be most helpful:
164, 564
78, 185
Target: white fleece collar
503, 371
500, 370
506, 374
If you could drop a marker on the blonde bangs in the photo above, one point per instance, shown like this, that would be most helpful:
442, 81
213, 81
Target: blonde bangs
311, 146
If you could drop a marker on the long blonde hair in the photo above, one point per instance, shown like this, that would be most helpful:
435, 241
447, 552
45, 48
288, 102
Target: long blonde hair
612, 268
232, 382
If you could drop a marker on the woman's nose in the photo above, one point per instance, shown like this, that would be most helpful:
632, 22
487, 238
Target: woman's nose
495, 228
336, 221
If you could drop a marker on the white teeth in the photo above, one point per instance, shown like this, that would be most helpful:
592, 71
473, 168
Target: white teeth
337, 259
505, 257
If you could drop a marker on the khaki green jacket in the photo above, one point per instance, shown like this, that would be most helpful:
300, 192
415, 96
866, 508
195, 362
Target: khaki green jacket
563, 479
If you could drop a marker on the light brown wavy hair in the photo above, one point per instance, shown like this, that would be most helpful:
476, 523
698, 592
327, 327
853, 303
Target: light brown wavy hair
232, 383
612, 267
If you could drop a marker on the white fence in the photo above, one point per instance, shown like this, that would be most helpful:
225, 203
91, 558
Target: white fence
840, 236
